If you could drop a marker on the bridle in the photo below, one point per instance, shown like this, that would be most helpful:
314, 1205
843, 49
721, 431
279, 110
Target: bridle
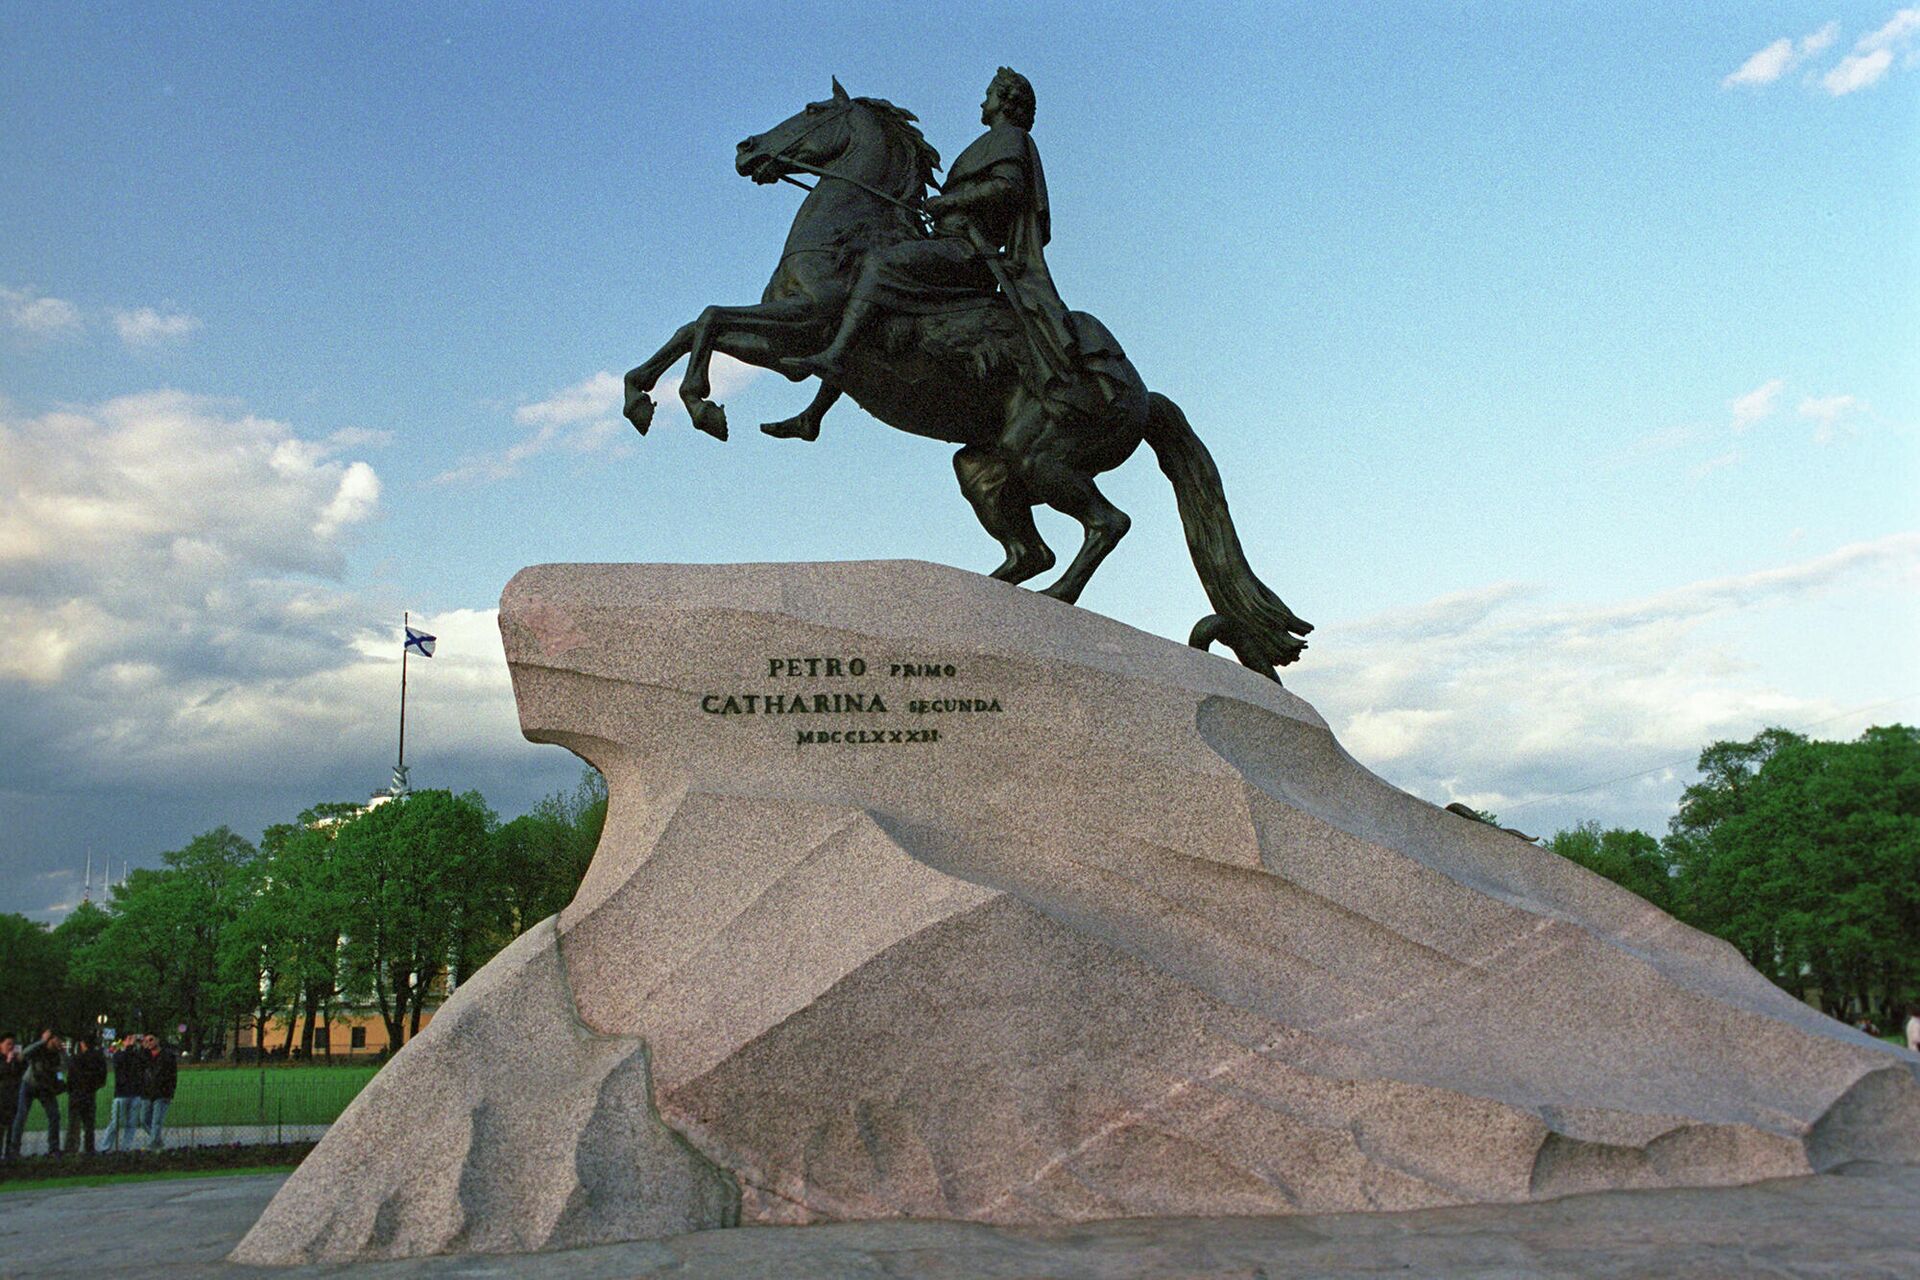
781, 157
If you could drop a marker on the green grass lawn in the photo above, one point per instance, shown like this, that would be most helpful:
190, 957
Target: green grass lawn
108, 1179
252, 1095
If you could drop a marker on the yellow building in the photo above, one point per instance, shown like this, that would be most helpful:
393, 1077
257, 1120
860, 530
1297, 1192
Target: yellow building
349, 1033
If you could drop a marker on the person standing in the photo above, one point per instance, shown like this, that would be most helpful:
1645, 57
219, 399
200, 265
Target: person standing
11, 1070
1913, 1028
129, 1101
86, 1072
163, 1075
41, 1084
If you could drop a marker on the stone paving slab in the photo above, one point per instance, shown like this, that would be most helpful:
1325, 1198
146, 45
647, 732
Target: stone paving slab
1863, 1221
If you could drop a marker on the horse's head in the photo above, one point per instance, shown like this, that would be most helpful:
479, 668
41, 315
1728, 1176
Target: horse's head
816, 135
855, 132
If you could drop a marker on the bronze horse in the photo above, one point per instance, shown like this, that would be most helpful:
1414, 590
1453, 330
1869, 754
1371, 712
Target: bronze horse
955, 376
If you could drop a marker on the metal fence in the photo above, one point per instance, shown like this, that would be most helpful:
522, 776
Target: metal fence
221, 1106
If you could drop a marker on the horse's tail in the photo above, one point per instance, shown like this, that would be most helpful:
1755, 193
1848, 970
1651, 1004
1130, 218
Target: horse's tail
1249, 618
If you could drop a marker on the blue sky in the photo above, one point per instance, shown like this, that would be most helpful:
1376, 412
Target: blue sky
1561, 366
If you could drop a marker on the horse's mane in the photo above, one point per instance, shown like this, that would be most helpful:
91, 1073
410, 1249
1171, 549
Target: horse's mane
901, 123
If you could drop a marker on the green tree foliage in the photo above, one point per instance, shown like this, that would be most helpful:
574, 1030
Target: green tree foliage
30, 961
80, 1001
292, 930
416, 883
43, 986
1805, 855
164, 955
381, 907
541, 857
1629, 858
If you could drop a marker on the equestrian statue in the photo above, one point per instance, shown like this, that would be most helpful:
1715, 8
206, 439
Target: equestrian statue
938, 316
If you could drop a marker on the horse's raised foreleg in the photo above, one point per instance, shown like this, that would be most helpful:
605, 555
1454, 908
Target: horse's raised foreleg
642, 377
1006, 511
769, 321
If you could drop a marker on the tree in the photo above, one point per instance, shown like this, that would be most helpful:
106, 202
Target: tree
1631, 859
379, 906
160, 957
134, 959
81, 1002
541, 857
415, 879
295, 921
31, 963
1806, 856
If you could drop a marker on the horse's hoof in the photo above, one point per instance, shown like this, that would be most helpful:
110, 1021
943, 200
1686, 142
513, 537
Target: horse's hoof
1019, 568
710, 418
639, 412
792, 429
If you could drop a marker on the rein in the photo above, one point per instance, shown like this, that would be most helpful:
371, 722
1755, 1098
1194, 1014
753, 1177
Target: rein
824, 174
781, 157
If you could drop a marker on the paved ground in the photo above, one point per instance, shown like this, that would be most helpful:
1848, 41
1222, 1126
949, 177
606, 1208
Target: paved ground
1864, 1222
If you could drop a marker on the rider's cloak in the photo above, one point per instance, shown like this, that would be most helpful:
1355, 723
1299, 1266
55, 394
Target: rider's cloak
1007, 150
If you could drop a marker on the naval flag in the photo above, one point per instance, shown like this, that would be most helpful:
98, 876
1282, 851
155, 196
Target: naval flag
418, 642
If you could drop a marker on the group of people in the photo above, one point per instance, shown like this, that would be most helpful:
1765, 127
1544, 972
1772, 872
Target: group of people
145, 1073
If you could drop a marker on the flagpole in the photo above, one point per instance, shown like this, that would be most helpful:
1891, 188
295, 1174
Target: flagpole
400, 769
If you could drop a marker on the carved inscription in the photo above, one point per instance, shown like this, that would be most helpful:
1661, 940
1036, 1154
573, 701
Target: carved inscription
861, 689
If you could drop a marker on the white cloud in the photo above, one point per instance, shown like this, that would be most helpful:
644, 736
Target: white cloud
583, 419
179, 652
1382, 737
1757, 404
164, 527
30, 313
1826, 412
353, 501
595, 397
1775, 60
1519, 702
146, 327
1898, 31
1816, 41
1764, 67
459, 702
1873, 55
1857, 71
171, 630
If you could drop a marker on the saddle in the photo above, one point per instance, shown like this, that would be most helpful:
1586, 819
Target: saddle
981, 329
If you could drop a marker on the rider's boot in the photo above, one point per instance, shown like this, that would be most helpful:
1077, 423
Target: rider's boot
826, 365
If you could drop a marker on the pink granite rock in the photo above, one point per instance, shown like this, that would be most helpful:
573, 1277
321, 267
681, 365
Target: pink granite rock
1028, 916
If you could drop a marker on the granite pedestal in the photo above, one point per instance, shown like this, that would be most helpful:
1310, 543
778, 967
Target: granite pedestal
923, 896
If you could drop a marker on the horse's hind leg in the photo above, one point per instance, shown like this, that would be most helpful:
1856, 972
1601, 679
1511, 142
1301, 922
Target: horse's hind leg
1068, 489
1005, 510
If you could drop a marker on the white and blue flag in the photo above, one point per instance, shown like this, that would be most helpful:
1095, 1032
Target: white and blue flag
418, 642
